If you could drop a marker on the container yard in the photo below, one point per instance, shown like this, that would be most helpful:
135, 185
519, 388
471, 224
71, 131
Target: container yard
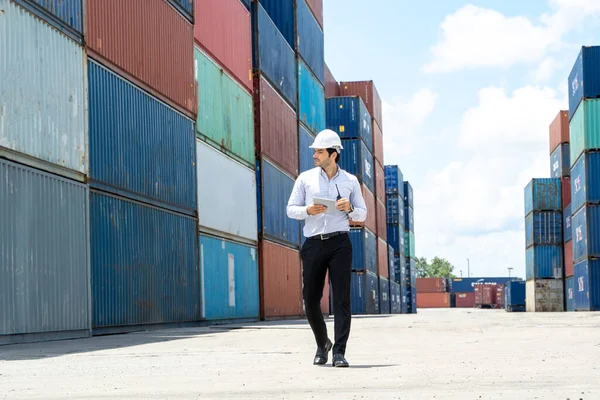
149, 155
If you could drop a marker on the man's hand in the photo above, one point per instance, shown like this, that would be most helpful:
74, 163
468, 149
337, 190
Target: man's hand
343, 205
316, 209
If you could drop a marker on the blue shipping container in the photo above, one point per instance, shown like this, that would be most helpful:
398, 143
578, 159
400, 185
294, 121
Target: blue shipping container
139, 147
586, 233
275, 187
311, 100
408, 194
585, 180
514, 296
466, 285
567, 229
394, 180
411, 272
543, 194
542, 262
409, 219
281, 12
306, 153
364, 293
349, 117
358, 160
560, 161
185, 7
144, 264
584, 79
364, 250
65, 15
543, 227
229, 274
570, 293
395, 298
392, 264
395, 238
394, 209
311, 43
586, 285
272, 55
384, 296
245, 2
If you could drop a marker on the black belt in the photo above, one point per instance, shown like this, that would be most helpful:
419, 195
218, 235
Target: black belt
326, 236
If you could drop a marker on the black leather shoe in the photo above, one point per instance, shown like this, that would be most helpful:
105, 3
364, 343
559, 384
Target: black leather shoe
339, 361
322, 352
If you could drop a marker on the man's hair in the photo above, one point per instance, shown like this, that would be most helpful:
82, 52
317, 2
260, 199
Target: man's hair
331, 151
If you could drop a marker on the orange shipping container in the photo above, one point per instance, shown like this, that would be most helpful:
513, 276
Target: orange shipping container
381, 220
280, 281
371, 221
433, 300
379, 181
382, 259
377, 143
431, 285
559, 130
568, 252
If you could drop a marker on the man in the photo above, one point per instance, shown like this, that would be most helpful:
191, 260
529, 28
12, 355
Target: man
327, 245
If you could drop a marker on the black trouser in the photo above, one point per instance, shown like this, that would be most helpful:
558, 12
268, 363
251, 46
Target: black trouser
318, 256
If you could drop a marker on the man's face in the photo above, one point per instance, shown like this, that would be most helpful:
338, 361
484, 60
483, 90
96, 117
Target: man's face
322, 158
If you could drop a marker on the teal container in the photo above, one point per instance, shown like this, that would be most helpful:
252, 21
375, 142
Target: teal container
584, 129
311, 99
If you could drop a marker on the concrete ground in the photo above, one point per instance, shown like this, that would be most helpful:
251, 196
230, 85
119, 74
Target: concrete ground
435, 354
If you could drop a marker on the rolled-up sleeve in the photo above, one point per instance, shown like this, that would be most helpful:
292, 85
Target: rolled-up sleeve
296, 208
358, 202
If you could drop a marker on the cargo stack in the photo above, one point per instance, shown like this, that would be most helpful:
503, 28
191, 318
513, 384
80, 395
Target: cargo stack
410, 275
432, 293
544, 245
44, 201
463, 289
584, 115
226, 161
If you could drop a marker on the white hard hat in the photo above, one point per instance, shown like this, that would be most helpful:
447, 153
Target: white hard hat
327, 139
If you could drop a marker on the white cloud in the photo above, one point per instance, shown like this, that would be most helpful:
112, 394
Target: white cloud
545, 70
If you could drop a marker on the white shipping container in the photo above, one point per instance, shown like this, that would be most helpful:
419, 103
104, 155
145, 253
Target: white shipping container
226, 195
544, 295
42, 91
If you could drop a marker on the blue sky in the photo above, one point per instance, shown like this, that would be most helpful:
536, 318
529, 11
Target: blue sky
469, 90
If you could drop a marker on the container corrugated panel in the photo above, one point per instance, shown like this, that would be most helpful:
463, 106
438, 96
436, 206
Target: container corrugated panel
382, 259
584, 128
277, 128
394, 209
225, 111
409, 244
392, 265
543, 227
395, 237
272, 55
586, 285
409, 219
185, 7
384, 296
559, 130
380, 182
358, 160
42, 106
586, 233
465, 285
311, 99
349, 117
394, 180
377, 143
44, 254
567, 229
64, 15
544, 295
364, 292
316, 6
368, 92
395, 298
408, 194
142, 38
570, 293
560, 162
565, 184
305, 152
371, 221
332, 87
281, 12
568, 254
281, 282
381, 222
515, 293
231, 181
543, 194
229, 273
544, 262
465, 300
364, 249
310, 41
431, 285
219, 19
144, 263
138, 145
584, 79
585, 181
433, 300
274, 188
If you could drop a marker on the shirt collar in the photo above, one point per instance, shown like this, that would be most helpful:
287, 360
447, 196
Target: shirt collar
337, 174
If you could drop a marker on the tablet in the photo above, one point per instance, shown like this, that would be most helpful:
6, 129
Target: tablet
330, 204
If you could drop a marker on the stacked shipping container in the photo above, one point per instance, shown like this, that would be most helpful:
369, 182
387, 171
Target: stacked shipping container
432, 293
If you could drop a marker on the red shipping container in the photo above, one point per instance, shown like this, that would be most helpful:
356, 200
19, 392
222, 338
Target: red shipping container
568, 254
382, 259
332, 87
280, 281
316, 6
485, 294
431, 285
566, 191
371, 221
559, 130
500, 295
276, 132
149, 43
377, 143
465, 300
369, 95
223, 30
379, 181
478, 292
433, 300
381, 220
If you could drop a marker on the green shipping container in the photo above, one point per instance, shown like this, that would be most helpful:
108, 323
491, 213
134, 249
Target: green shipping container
409, 244
584, 128
225, 111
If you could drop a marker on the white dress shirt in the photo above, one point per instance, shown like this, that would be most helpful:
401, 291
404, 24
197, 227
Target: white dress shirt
316, 183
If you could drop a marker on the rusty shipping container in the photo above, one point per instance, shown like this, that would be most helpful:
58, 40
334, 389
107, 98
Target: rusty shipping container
559, 130
500, 295
280, 281
332, 87
568, 252
371, 221
368, 92
433, 300
379, 181
465, 300
381, 220
223, 30
316, 6
276, 127
382, 259
377, 143
148, 42
544, 295
431, 285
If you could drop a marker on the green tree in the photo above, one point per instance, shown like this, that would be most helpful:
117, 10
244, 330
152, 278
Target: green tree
439, 268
